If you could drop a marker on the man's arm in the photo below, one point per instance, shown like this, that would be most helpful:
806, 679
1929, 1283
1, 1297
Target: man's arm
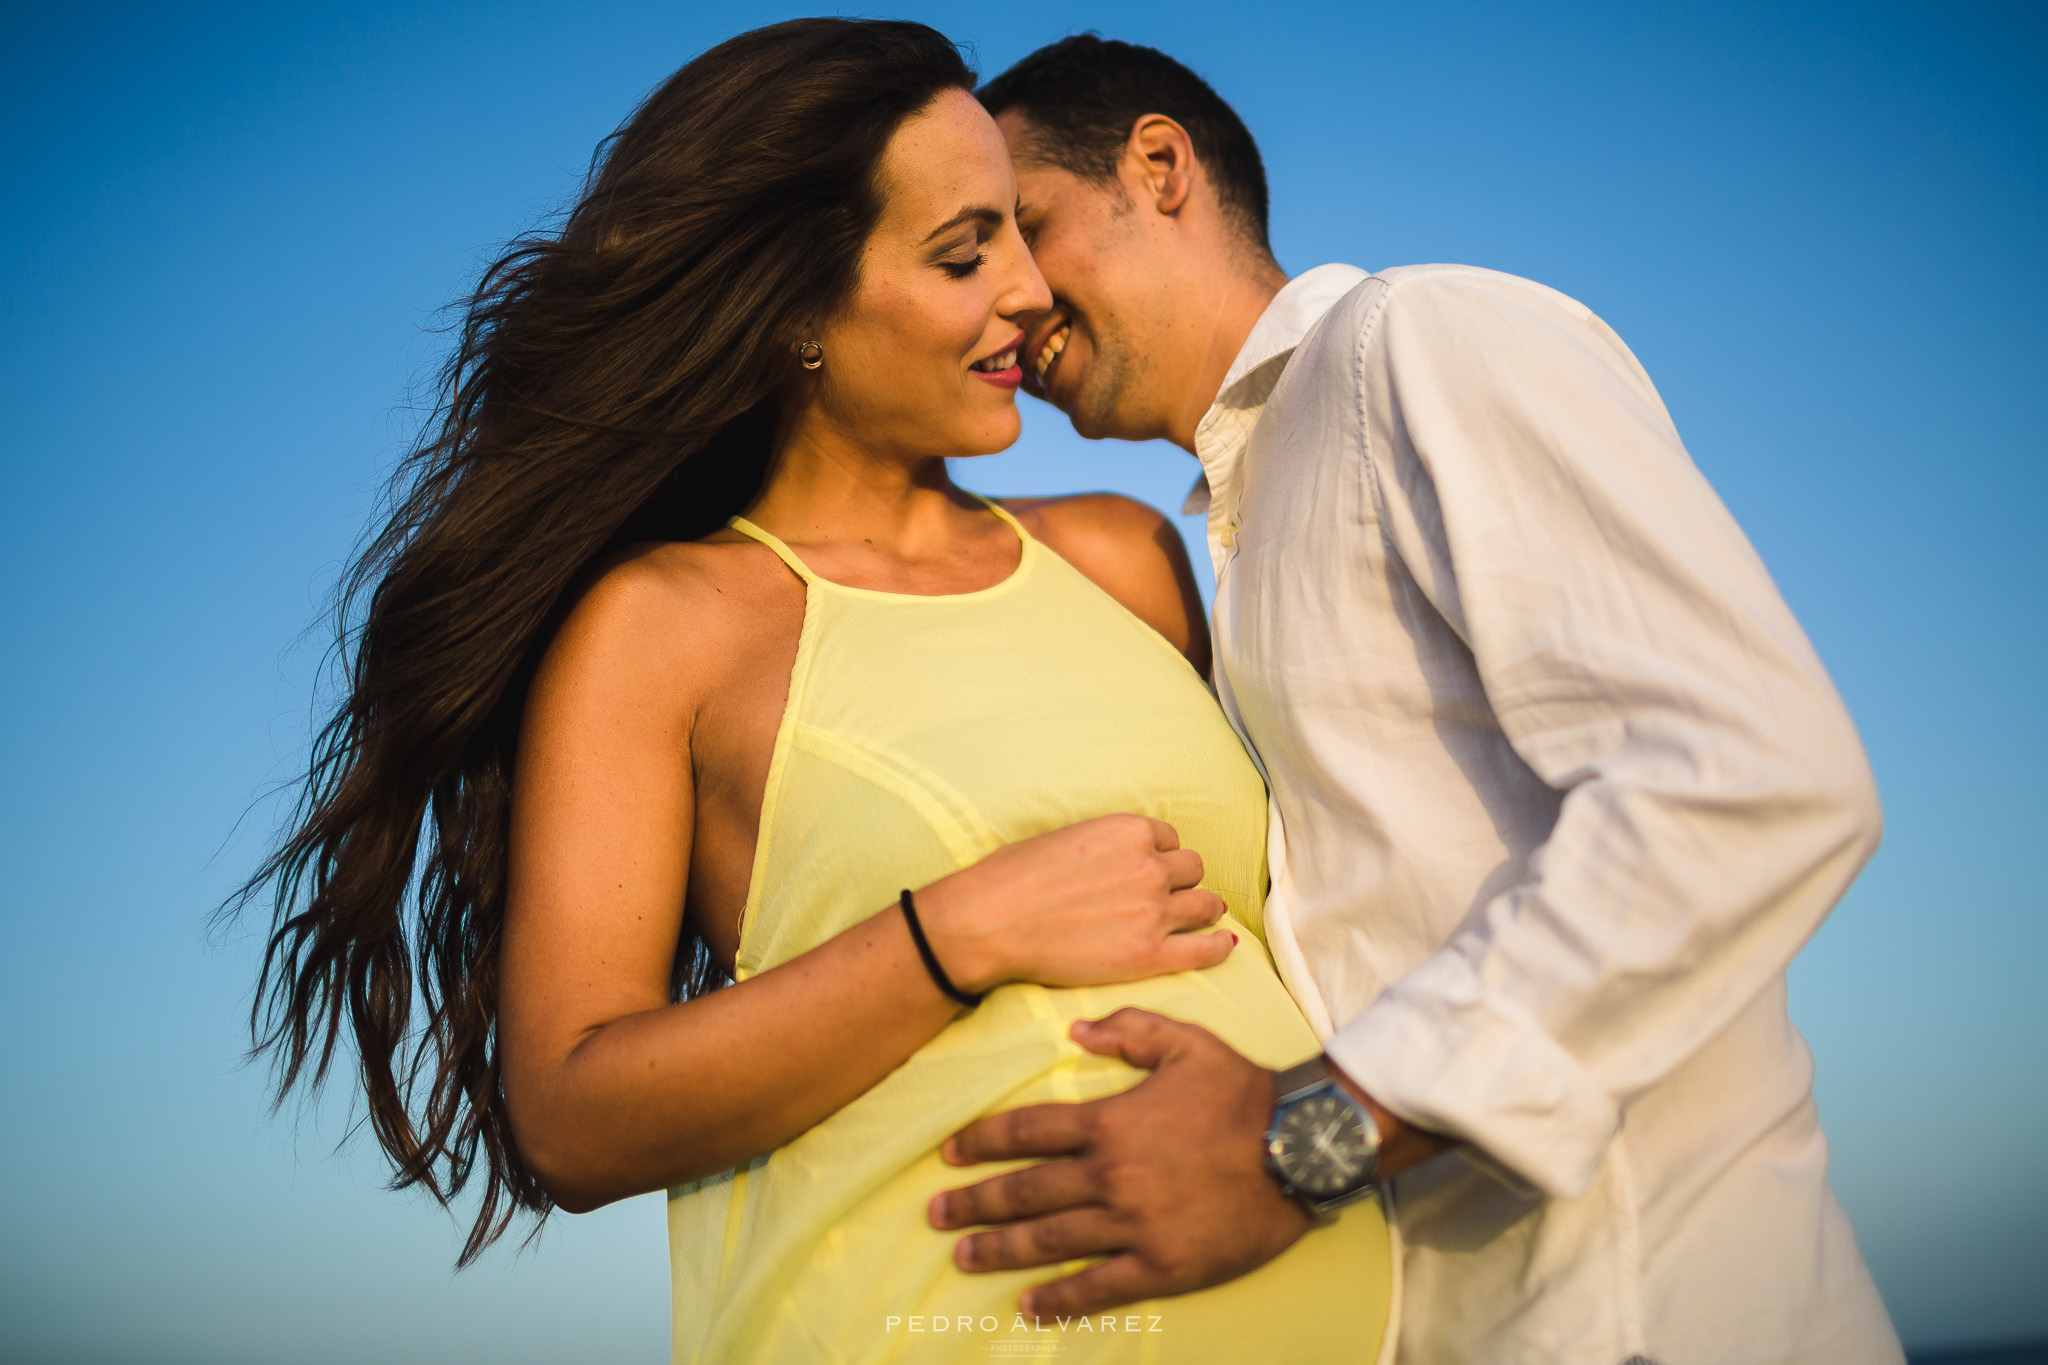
1640, 660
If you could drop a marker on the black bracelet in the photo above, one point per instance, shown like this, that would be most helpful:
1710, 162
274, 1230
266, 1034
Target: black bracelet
931, 959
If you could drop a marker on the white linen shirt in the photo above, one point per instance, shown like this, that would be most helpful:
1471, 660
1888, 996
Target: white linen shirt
1559, 787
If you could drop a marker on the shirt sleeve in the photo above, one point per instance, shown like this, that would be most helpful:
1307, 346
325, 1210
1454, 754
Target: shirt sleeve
1716, 800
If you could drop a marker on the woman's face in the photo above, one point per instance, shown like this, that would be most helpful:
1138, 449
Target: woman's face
923, 360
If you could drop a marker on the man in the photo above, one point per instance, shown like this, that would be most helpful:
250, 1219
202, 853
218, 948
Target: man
1559, 789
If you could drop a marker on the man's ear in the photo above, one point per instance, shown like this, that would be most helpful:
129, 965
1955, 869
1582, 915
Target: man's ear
1160, 156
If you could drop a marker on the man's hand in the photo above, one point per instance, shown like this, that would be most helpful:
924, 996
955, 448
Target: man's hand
1167, 1180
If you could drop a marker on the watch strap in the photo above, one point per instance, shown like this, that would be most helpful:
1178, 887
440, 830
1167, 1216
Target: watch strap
1301, 1078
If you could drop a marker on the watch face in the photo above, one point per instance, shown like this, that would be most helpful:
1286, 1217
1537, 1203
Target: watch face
1320, 1146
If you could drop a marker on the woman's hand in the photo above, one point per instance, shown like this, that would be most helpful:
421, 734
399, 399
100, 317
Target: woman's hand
1108, 899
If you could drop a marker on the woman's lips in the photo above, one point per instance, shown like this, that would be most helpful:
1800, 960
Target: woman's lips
1001, 369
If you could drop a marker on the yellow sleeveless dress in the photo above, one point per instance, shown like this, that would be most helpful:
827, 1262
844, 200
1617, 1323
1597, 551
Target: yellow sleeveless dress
921, 733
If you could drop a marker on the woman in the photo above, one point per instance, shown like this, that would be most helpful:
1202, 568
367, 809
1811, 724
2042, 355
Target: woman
652, 742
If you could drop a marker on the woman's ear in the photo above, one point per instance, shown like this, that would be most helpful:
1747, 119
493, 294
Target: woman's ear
1160, 156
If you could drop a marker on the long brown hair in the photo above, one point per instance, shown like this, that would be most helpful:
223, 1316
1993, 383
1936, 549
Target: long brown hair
611, 381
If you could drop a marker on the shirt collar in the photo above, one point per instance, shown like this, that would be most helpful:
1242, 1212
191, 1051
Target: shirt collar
1221, 436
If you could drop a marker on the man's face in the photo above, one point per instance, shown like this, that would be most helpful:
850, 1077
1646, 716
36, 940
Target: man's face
1089, 356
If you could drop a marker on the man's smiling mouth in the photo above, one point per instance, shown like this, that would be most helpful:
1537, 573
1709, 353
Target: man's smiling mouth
1049, 351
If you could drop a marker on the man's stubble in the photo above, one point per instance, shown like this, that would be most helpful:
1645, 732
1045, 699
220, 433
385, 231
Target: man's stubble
1110, 379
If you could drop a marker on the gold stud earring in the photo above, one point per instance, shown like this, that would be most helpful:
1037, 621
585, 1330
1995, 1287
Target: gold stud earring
810, 355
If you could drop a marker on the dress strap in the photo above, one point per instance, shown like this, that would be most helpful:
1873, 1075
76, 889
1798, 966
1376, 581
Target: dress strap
1015, 525
782, 552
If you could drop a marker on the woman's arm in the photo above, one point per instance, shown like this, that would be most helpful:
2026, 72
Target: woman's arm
1133, 553
614, 1090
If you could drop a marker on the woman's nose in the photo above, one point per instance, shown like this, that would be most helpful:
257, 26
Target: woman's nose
1028, 292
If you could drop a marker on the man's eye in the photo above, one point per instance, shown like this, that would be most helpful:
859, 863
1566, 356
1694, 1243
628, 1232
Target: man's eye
960, 270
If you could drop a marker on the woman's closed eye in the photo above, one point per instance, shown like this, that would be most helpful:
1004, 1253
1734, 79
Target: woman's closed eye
960, 270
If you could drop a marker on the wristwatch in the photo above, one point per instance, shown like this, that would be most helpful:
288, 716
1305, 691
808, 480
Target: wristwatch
1323, 1146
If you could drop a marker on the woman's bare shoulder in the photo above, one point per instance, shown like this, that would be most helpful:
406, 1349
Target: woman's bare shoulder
1133, 552
1090, 515
676, 616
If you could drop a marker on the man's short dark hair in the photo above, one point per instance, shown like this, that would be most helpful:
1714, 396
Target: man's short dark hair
1083, 94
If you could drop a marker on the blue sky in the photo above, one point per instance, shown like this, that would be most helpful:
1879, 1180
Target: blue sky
1820, 227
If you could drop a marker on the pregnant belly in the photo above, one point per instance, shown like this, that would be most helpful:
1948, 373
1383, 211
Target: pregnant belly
820, 1250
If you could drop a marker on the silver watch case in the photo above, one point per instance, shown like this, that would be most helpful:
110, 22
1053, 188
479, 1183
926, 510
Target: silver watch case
1322, 1145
